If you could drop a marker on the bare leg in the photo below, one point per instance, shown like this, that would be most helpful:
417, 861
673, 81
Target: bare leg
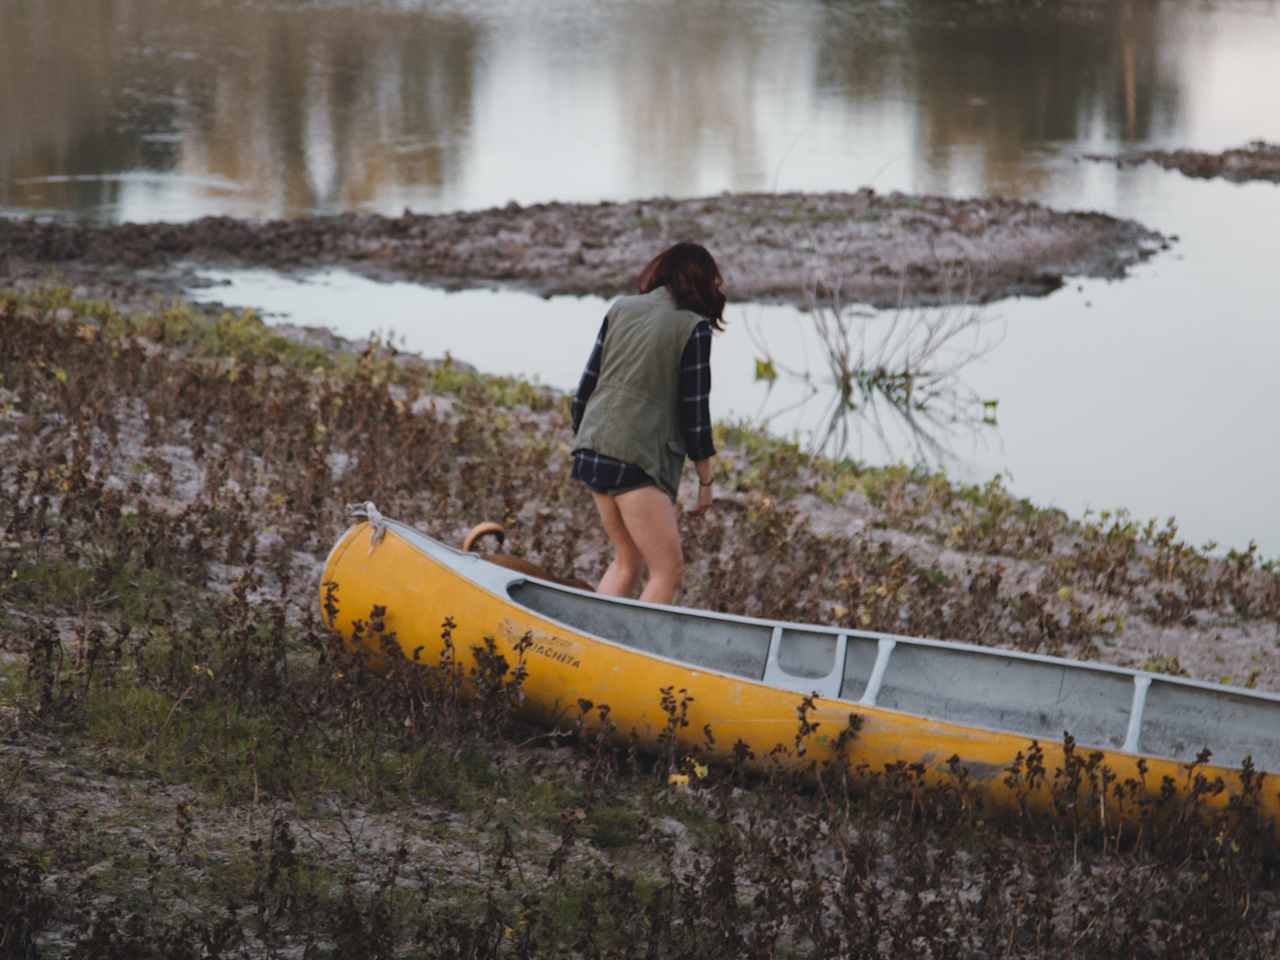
650, 519
624, 570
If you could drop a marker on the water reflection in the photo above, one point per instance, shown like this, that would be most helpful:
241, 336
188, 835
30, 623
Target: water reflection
1005, 85
133, 109
59, 85
318, 117
270, 109
895, 377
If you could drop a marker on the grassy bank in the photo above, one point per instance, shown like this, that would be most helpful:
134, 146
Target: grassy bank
192, 766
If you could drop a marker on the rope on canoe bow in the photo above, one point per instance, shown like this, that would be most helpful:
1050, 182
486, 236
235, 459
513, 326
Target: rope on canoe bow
367, 511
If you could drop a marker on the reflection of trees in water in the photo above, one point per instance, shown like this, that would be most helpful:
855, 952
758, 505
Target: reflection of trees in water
327, 107
305, 108
317, 106
691, 89
895, 376
58, 64
1001, 81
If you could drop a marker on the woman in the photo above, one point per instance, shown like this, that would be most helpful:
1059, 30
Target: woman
642, 405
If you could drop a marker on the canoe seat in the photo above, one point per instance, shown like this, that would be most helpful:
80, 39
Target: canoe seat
806, 661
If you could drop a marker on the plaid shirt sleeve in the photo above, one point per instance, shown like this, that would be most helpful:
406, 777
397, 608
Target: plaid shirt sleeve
695, 393
589, 377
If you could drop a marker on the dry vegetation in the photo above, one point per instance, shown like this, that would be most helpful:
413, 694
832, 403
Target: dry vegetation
192, 766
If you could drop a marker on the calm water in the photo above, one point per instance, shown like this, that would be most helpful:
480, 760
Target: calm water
1157, 392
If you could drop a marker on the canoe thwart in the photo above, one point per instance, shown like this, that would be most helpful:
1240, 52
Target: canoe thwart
884, 651
1141, 684
806, 661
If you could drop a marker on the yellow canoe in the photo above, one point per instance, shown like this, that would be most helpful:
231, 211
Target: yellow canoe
920, 702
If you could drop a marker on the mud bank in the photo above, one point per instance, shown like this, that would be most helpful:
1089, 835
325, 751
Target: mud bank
182, 742
878, 249
1257, 160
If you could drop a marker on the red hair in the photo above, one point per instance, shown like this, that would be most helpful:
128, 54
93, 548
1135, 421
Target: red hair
691, 274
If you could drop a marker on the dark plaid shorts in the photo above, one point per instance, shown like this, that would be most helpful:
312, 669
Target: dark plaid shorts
607, 475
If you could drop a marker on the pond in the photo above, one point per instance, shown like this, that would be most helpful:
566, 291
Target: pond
1156, 392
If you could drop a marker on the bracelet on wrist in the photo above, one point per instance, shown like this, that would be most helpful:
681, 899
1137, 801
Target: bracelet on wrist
707, 484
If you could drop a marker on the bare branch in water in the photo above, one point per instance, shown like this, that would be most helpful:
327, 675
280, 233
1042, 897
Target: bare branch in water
895, 374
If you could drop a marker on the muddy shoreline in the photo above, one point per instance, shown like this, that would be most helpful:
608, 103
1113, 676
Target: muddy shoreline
880, 249
1257, 160
183, 743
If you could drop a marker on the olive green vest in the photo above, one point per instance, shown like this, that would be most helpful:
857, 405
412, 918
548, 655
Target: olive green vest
633, 414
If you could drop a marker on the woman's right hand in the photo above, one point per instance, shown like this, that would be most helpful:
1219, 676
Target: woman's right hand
704, 499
